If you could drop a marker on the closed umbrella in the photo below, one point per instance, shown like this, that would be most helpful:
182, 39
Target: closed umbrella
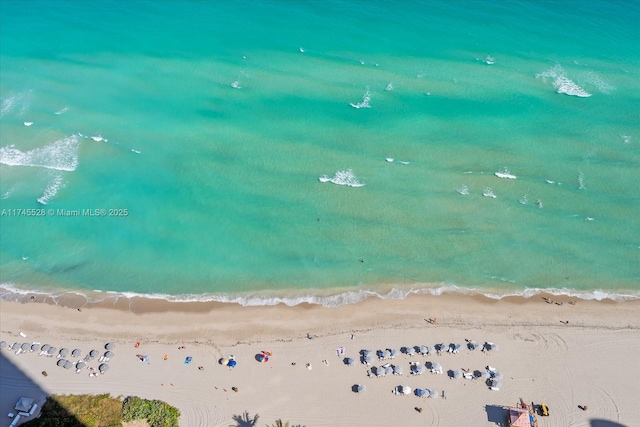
103, 367
109, 346
68, 365
35, 347
63, 352
76, 353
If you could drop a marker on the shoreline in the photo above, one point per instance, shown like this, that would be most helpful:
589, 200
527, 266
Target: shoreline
543, 358
149, 303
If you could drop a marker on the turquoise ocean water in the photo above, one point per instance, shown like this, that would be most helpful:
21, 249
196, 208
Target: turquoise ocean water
265, 149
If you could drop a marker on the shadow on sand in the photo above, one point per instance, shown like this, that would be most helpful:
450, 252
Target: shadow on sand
605, 423
16, 384
245, 420
497, 414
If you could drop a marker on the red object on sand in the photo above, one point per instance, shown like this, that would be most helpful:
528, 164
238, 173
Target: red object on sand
138, 344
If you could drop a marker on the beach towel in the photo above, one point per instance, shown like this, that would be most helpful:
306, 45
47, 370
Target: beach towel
188, 360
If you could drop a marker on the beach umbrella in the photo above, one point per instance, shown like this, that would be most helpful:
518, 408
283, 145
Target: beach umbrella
60, 362
380, 354
397, 370
263, 358
365, 352
3, 344
393, 352
368, 358
224, 361
76, 352
485, 374
103, 367
68, 365
94, 353
419, 392
419, 369
25, 346
232, 363
472, 345
16, 346
109, 346
359, 388
109, 354
64, 352
45, 347
80, 365
411, 351
35, 347
441, 347
424, 349
52, 351
386, 354
436, 366
348, 361
455, 374
406, 389
433, 394
493, 346
497, 375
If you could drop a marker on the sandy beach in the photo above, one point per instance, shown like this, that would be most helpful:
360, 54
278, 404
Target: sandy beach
563, 354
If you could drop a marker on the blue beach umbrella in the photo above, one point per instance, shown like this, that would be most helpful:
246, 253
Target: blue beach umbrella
232, 363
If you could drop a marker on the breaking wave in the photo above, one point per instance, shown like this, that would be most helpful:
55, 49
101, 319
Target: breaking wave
365, 100
562, 83
345, 177
60, 155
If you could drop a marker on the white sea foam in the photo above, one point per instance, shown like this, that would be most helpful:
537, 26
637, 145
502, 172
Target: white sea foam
7, 104
236, 85
12, 292
389, 87
402, 162
135, 151
523, 200
365, 100
344, 177
504, 173
27, 124
562, 83
464, 190
52, 188
488, 193
97, 138
59, 155
489, 60
301, 50
626, 139
61, 111
581, 181
599, 83
389, 159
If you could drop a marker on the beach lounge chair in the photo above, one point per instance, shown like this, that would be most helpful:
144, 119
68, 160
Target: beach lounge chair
188, 360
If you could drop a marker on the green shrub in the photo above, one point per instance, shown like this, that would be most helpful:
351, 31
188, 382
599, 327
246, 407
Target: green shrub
156, 412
